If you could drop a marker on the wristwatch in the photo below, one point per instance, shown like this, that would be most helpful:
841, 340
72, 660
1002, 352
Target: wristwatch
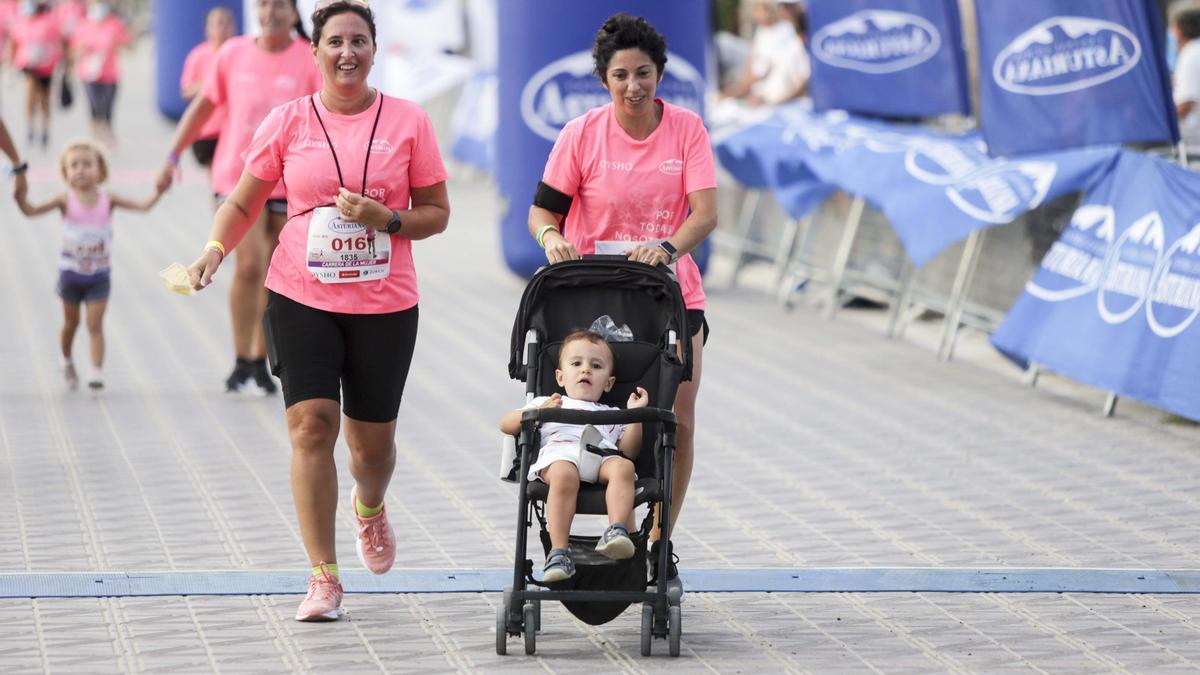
672, 252
19, 169
393, 225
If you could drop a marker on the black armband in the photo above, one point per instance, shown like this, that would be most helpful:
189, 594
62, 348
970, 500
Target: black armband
552, 200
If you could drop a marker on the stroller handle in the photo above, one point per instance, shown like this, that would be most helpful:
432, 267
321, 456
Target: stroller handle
568, 416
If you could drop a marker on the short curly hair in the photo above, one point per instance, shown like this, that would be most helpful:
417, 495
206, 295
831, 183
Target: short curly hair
622, 31
332, 9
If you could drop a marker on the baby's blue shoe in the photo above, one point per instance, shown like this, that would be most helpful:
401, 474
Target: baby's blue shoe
558, 566
615, 543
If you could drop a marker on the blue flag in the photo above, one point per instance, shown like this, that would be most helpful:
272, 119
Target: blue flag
1115, 301
890, 58
935, 188
1069, 73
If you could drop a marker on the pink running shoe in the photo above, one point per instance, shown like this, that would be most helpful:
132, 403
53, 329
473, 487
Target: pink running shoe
376, 542
324, 599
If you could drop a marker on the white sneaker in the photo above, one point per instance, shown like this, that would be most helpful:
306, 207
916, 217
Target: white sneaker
69, 375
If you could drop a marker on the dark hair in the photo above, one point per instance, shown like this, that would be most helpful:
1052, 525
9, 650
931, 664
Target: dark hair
323, 15
299, 27
1187, 20
622, 31
587, 336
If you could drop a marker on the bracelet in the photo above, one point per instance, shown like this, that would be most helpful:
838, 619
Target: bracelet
541, 235
173, 157
19, 169
216, 246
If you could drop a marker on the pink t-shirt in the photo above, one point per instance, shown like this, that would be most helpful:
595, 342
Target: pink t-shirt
97, 44
196, 68
249, 81
404, 155
629, 190
39, 43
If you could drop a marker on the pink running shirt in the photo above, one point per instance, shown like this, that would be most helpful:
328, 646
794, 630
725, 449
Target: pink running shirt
249, 81
196, 68
97, 44
39, 43
630, 190
404, 155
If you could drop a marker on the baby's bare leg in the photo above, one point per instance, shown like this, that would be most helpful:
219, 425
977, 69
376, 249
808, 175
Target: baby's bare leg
618, 497
563, 479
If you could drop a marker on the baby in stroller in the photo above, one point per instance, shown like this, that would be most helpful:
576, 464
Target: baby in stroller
585, 371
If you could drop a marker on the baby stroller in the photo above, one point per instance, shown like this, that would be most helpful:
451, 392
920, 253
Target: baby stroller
559, 299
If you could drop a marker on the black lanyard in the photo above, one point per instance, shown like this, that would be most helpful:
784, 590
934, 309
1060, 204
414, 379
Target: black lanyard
366, 162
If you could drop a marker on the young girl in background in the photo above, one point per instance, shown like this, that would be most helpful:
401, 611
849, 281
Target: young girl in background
84, 263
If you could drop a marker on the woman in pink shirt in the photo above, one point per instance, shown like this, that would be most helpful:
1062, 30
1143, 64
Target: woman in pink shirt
37, 51
94, 47
249, 77
635, 176
364, 180
218, 27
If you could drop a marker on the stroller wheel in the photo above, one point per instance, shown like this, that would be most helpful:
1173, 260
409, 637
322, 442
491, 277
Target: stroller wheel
530, 627
502, 629
673, 629
647, 627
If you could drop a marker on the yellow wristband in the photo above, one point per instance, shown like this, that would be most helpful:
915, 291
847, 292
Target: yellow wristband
541, 235
217, 245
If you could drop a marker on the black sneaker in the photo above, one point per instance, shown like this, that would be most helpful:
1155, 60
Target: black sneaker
262, 378
239, 378
672, 559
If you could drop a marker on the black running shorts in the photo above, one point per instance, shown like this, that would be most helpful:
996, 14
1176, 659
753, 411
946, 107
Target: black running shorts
319, 354
697, 323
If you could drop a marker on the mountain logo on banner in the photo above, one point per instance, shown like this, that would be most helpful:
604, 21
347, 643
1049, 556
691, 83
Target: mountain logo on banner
877, 41
990, 191
1127, 273
568, 87
1064, 54
1175, 302
1074, 264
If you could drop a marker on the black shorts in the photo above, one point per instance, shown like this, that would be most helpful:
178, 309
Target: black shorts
696, 323
101, 97
42, 81
204, 149
319, 354
76, 291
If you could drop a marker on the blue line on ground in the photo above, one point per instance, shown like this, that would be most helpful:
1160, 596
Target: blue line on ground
722, 580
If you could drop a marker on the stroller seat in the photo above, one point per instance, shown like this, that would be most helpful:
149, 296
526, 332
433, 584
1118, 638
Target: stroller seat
591, 497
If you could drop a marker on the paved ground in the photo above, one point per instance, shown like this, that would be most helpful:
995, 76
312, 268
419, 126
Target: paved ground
823, 445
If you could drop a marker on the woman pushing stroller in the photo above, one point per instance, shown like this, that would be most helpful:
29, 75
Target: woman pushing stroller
585, 372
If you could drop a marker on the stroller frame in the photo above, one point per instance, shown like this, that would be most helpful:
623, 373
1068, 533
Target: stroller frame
519, 615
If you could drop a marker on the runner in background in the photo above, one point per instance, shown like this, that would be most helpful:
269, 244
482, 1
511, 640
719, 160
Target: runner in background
36, 50
250, 76
219, 26
94, 49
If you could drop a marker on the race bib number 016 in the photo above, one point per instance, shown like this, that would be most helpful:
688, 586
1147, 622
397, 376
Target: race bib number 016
341, 251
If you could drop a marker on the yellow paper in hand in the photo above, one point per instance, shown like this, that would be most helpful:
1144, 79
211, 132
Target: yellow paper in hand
175, 278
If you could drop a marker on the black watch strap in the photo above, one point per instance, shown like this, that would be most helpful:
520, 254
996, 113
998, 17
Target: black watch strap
19, 169
393, 225
672, 252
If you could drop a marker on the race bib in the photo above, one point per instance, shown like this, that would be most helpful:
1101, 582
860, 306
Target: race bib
615, 247
340, 251
91, 67
37, 55
85, 250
